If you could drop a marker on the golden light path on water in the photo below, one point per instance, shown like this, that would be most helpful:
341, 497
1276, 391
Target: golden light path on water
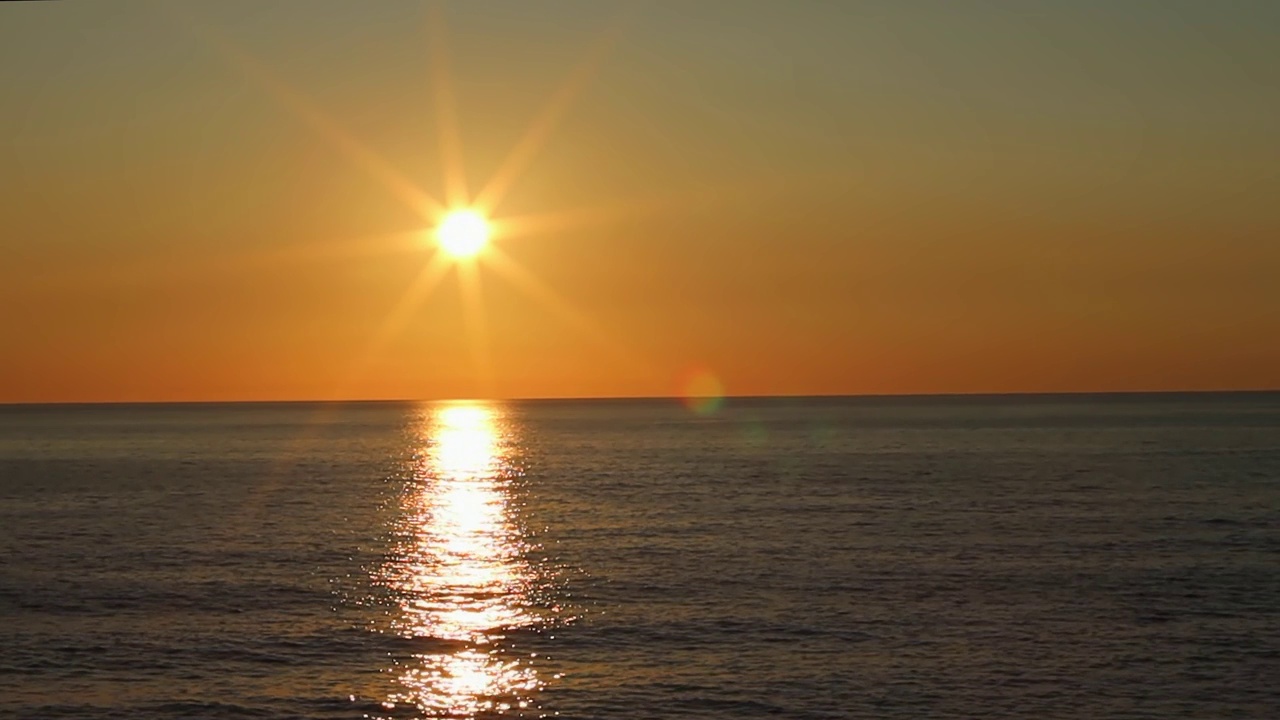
460, 575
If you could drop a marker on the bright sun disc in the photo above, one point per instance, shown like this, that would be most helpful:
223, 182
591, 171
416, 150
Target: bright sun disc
463, 233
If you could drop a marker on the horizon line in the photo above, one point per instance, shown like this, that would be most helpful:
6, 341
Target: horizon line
674, 398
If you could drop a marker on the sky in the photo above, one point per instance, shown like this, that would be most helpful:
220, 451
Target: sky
223, 200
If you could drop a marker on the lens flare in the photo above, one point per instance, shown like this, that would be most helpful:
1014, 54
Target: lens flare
702, 392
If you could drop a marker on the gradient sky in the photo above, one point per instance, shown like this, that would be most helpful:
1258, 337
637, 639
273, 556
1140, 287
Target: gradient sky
802, 197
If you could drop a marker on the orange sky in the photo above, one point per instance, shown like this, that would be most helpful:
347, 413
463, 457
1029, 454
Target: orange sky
797, 198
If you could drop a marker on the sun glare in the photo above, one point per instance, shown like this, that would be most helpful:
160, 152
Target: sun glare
463, 233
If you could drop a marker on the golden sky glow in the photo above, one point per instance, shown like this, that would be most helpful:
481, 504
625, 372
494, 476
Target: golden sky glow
229, 200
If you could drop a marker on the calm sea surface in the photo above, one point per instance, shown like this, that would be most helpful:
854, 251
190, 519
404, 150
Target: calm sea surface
1034, 557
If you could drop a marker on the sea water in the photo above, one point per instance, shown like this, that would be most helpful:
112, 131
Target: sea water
1001, 557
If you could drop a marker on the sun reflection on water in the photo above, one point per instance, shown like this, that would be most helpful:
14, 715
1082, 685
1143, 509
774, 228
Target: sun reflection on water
460, 575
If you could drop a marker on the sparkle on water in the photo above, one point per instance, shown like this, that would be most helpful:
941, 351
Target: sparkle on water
460, 575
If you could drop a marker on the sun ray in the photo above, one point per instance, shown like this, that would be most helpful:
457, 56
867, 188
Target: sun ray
476, 326
315, 252
321, 124
451, 158
640, 207
165, 270
414, 296
529, 283
518, 226
545, 122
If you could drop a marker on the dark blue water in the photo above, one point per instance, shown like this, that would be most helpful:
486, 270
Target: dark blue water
1047, 557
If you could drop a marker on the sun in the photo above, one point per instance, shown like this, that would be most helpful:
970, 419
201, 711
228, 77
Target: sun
463, 233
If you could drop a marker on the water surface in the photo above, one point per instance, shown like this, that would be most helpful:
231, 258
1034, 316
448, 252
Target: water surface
1057, 557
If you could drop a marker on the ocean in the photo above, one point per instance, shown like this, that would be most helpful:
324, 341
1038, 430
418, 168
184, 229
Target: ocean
933, 557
